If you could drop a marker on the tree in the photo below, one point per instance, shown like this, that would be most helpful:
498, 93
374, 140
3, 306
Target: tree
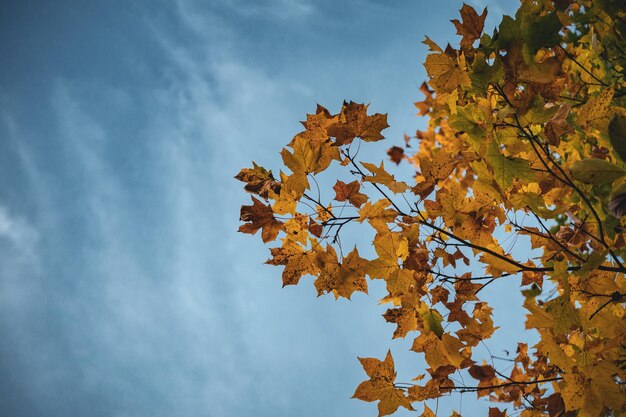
526, 138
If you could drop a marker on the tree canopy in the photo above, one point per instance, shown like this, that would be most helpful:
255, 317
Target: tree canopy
526, 138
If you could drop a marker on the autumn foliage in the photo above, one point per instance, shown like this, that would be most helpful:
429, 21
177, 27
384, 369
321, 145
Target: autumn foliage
526, 138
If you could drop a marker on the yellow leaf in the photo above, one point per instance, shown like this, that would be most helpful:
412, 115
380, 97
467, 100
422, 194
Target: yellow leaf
383, 177
596, 112
297, 262
354, 122
341, 279
427, 412
445, 74
380, 386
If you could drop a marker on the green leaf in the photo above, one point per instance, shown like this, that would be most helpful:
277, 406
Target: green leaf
534, 32
508, 32
433, 319
594, 261
596, 171
617, 201
564, 314
532, 292
506, 168
483, 74
617, 135
610, 6
541, 32
470, 119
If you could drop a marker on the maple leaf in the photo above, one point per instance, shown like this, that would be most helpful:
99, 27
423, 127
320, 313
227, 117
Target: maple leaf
596, 111
316, 125
432, 322
287, 200
262, 217
425, 105
421, 393
378, 214
341, 279
482, 373
349, 192
438, 166
258, 180
308, 157
529, 278
507, 168
383, 177
439, 352
354, 122
297, 263
596, 171
315, 228
446, 74
399, 280
380, 387
472, 25
396, 154
404, 317
592, 393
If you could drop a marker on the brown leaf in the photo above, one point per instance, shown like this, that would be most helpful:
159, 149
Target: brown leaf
495, 412
349, 192
425, 105
396, 154
558, 126
316, 125
528, 277
471, 27
315, 228
354, 122
482, 373
404, 317
260, 216
439, 294
258, 181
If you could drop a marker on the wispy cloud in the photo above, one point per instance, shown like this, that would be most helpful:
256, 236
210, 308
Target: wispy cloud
19, 233
19, 261
142, 302
265, 9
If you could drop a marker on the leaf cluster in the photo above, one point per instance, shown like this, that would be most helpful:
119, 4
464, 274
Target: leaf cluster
526, 138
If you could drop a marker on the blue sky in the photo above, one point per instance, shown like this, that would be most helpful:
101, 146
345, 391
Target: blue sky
124, 288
